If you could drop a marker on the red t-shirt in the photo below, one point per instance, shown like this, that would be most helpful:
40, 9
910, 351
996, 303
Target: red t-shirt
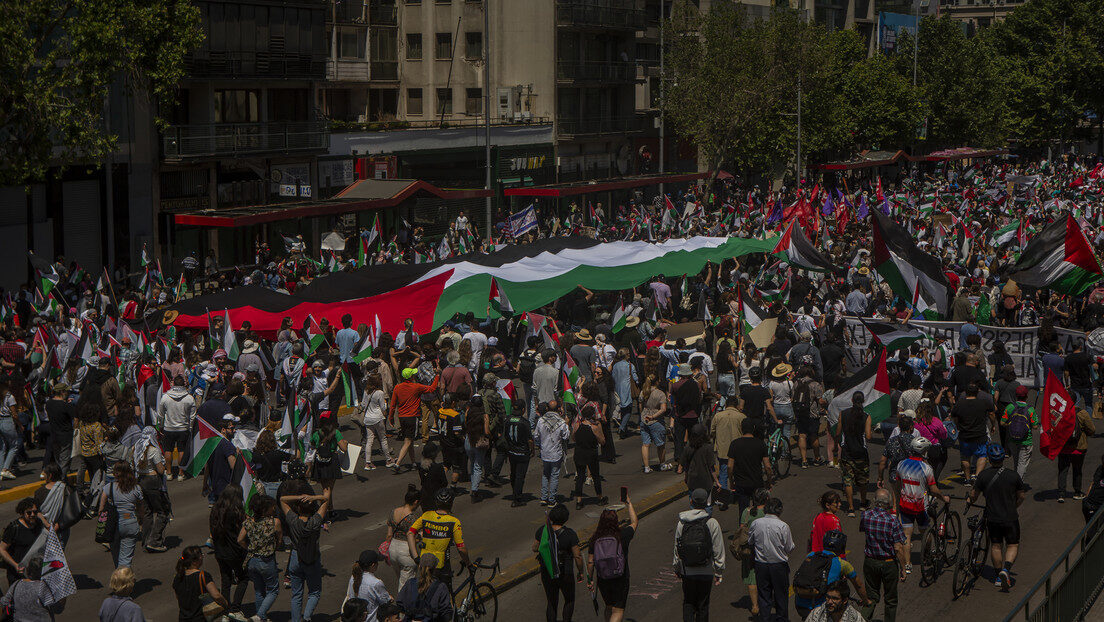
822, 524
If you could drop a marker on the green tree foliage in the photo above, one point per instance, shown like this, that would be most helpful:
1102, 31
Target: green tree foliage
61, 57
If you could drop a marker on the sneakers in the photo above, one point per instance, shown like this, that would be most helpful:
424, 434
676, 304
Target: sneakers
589, 481
1061, 497
1003, 581
156, 549
6, 474
1077, 496
647, 470
804, 465
908, 568
665, 467
368, 466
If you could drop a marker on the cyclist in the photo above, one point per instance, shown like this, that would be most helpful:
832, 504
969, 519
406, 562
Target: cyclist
916, 479
1004, 491
438, 530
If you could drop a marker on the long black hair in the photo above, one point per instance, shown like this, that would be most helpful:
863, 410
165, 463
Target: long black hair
228, 512
188, 558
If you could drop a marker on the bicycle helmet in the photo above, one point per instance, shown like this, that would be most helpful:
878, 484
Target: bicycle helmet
835, 541
920, 445
444, 497
995, 452
755, 373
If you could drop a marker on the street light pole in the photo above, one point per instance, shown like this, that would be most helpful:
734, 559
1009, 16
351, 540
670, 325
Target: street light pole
915, 39
487, 102
662, 18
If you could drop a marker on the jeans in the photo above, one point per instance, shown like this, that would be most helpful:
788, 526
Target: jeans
13, 442
1086, 396
518, 466
550, 481
785, 414
1065, 461
881, 575
311, 574
626, 415
266, 585
722, 475
371, 434
476, 457
773, 587
695, 597
726, 387
126, 538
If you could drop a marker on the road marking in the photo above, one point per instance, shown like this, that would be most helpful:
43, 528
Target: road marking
381, 523
325, 547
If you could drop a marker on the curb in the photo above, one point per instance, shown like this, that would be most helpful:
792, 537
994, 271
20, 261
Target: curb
528, 568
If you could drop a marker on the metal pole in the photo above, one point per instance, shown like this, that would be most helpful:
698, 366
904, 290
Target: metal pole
662, 141
916, 39
487, 101
800, 168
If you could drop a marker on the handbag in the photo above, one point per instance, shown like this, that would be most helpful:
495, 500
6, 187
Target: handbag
211, 610
384, 549
107, 523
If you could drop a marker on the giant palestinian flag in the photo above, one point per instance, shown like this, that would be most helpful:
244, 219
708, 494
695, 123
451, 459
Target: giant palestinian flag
913, 274
891, 335
1059, 257
795, 248
432, 293
873, 381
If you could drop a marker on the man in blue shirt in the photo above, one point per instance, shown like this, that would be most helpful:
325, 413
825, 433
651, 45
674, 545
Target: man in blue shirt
347, 339
969, 328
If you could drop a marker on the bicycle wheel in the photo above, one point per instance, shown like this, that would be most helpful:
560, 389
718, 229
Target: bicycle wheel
782, 457
961, 577
951, 537
931, 557
485, 603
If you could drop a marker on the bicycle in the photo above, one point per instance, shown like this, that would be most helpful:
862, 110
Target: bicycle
779, 453
481, 601
972, 552
941, 536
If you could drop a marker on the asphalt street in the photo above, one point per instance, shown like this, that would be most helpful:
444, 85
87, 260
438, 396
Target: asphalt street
492, 529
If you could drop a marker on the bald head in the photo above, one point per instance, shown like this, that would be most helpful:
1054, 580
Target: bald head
883, 499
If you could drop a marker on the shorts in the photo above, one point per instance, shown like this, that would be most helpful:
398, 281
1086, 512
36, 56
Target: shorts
967, 449
175, 440
909, 519
808, 425
855, 472
654, 433
1004, 533
408, 427
615, 592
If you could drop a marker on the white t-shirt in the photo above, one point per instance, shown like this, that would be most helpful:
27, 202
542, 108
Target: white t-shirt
781, 392
375, 407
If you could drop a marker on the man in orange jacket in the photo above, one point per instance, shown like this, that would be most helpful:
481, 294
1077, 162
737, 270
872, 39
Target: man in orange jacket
406, 400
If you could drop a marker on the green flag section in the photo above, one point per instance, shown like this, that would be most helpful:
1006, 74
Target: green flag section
891, 335
364, 350
349, 386
750, 313
619, 316
229, 340
1006, 234
873, 381
912, 274
548, 551
567, 391
204, 442
245, 480
1059, 258
538, 280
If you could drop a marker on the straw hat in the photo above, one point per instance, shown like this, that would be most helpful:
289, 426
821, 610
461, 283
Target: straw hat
780, 370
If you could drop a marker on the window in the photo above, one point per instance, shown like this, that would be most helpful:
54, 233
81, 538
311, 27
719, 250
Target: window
413, 46
413, 1
414, 101
237, 106
474, 47
444, 46
352, 43
473, 103
444, 101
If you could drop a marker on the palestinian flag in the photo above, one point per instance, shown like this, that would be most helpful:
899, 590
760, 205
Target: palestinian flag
965, 241
505, 390
777, 294
364, 350
795, 248
571, 370
913, 274
315, 337
1006, 234
500, 304
567, 391
352, 395
47, 281
1059, 258
891, 335
619, 316
243, 476
548, 550
204, 442
229, 339
873, 381
433, 292
750, 313
296, 424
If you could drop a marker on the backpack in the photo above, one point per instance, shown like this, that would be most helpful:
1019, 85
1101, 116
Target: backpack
517, 442
897, 449
324, 453
609, 557
695, 545
1019, 426
802, 398
811, 579
527, 363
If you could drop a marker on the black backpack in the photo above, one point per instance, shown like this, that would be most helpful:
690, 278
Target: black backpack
802, 398
527, 363
695, 545
811, 579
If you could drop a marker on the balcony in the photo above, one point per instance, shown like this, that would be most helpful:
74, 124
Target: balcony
186, 142
219, 65
611, 16
348, 70
599, 125
383, 15
385, 71
599, 71
347, 12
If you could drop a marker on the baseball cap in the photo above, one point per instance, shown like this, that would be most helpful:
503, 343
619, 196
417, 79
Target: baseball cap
367, 558
409, 373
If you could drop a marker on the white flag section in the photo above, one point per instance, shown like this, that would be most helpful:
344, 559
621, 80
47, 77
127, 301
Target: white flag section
55, 568
523, 221
1022, 344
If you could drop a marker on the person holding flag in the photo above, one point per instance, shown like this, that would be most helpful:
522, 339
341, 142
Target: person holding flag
557, 546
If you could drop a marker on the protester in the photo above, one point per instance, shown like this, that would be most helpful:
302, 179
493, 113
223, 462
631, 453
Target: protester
1004, 491
770, 540
261, 535
884, 565
29, 598
559, 558
226, 522
425, 597
304, 515
119, 606
608, 561
191, 584
364, 585
699, 558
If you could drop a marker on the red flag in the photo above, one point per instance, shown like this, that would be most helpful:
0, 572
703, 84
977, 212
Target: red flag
843, 215
1058, 417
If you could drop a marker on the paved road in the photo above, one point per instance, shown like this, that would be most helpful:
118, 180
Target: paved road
656, 594
493, 529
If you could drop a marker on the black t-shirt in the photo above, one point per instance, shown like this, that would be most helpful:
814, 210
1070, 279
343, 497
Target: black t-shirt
963, 375
831, 356
268, 467
61, 415
755, 398
972, 413
853, 434
1079, 367
219, 465
517, 435
698, 466
212, 411
20, 538
566, 538
747, 453
1000, 485
189, 589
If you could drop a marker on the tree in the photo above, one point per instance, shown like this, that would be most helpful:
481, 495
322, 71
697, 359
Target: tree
61, 58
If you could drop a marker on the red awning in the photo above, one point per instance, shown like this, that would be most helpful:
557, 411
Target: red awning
868, 159
364, 194
963, 153
601, 185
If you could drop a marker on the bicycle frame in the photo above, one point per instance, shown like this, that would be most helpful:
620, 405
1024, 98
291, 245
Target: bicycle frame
470, 583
